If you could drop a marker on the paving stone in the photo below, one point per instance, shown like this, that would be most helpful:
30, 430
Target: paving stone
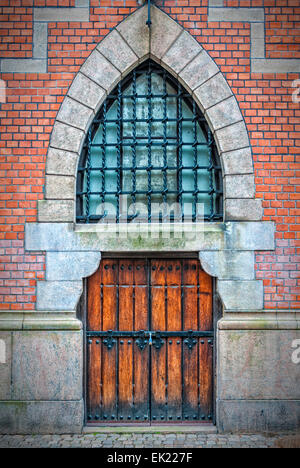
143, 440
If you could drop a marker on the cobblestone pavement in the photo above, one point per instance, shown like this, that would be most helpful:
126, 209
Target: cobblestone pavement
167, 440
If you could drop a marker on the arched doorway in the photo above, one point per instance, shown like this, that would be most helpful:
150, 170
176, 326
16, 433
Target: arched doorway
149, 327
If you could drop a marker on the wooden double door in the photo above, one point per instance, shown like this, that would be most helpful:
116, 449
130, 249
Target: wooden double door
149, 338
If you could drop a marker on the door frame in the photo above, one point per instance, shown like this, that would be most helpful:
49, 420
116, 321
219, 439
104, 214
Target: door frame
216, 314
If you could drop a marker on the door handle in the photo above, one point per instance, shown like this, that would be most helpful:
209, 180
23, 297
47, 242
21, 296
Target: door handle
150, 339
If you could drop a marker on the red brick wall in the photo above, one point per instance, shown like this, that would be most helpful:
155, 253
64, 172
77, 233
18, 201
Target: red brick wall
34, 99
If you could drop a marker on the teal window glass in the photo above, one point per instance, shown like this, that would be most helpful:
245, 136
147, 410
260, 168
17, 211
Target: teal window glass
149, 155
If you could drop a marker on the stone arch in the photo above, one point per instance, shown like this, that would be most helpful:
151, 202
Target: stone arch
130, 43
226, 250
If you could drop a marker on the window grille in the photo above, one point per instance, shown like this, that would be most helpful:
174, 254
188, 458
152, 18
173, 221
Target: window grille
149, 155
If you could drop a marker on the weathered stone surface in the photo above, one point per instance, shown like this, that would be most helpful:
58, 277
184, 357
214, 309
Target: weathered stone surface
228, 264
257, 40
58, 295
237, 162
258, 30
73, 113
136, 33
99, 69
11, 320
233, 137
241, 295
257, 364
258, 416
61, 162
216, 2
71, 265
61, 14
212, 91
163, 32
275, 65
41, 417
117, 51
56, 211
62, 237
87, 92
236, 14
23, 66
263, 320
239, 186
5, 365
49, 320
198, 71
60, 187
47, 365
184, 49
40, 40
223, 114
245, 209
66, 138
250, 235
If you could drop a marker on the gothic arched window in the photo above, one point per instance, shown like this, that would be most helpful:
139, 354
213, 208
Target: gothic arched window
148, 155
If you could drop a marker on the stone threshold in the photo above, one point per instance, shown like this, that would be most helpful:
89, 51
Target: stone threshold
176, 429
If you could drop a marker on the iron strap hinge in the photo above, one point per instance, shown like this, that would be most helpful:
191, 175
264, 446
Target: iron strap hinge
152, 338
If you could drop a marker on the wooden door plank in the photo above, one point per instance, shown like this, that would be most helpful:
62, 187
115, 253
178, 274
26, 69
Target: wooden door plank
174, 389
190, 383
158, 382
126, 410
109, 292
206, 378
126, 302
190, 295
141, 357
109, 381
141, 383
158, 356
205, 301
94, 411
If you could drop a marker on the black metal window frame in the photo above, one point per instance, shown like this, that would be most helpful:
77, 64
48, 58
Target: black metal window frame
215, 189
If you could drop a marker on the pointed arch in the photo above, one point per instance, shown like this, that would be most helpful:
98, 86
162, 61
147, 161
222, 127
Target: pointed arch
129, 44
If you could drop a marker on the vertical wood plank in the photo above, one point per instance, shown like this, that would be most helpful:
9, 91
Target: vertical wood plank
206, 378
158, 356
109, 274
126, 410
141, 357
94, 412
109, 382
190, 295
174, 353
190, 382
205, 299
174, 408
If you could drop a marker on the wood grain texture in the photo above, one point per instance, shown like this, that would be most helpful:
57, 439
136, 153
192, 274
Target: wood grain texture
169, 383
